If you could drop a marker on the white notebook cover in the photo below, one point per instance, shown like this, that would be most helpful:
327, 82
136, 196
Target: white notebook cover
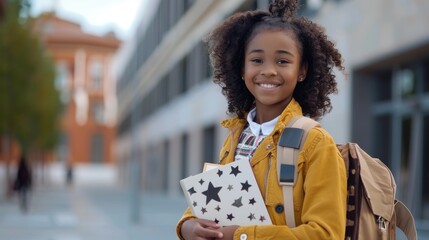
228, 195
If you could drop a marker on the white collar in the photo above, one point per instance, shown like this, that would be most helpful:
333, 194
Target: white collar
264, 128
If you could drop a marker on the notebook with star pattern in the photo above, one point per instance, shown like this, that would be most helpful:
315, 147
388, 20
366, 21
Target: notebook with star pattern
228, 195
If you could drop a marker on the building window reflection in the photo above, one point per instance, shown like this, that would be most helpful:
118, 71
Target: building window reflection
425, 169
96, 75
62, 81
97, 148
407, 80
426, 76
98, 112
209, 147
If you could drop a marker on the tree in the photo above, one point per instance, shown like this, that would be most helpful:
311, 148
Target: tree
29, 108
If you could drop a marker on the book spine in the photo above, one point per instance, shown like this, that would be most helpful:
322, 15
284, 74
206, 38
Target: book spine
188, 198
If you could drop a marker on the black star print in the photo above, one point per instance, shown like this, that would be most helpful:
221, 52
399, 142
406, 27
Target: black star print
219, 172
252, 201
251, 216
194, 203
230, 217
216, 221
235, 171
203, 210
212, 193
245, 186
262, 218
201, 181
230, 187
237, 203
191, 191
217, 208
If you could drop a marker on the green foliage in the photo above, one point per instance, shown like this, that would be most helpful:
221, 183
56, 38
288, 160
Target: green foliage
29, 108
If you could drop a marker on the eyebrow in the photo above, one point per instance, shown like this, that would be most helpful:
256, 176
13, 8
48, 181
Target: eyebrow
277, 51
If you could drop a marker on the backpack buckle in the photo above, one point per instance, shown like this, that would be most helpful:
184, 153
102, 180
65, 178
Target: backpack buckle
287, 175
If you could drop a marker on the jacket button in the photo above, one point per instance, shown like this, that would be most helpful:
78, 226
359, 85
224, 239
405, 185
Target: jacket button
268, 147
279, 208
243, 236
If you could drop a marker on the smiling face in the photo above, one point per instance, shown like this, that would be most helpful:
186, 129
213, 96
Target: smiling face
272, 68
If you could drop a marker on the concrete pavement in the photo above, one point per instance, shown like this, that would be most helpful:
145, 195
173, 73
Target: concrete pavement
89, 213
93, 213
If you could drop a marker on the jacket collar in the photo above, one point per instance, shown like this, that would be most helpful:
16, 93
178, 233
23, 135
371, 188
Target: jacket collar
292, 109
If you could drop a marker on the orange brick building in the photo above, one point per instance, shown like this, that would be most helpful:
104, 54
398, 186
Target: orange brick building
87, 89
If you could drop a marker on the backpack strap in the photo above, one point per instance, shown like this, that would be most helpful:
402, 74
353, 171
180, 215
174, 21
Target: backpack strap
289, 146
405, 220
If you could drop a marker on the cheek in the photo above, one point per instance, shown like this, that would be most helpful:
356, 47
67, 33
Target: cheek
249, 70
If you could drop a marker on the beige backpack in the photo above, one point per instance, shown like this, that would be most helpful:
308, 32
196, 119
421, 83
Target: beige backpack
372, 210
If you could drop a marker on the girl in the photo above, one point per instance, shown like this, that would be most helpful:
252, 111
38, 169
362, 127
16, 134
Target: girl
273, 66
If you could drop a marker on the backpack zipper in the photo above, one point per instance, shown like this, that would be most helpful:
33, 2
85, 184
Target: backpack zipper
381, 223
266, 177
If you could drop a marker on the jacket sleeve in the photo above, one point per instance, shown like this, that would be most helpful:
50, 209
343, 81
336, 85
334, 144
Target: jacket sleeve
323, 211
186, 216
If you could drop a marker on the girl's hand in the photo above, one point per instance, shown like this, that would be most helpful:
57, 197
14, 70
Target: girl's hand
228, 232
200, 229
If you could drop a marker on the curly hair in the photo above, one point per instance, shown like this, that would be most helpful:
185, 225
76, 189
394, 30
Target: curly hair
227, 42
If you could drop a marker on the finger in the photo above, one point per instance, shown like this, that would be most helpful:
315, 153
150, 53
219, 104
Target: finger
207, 233
208, 223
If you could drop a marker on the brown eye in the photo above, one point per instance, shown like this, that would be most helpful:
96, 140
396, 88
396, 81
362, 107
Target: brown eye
257, 60
282, 61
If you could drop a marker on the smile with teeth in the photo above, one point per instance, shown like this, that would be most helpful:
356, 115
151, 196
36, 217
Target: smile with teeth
267, 85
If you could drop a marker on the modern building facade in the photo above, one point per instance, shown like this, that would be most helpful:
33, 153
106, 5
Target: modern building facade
87, 87
169, 110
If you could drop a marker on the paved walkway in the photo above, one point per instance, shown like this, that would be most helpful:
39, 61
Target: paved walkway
90, 213
93, 213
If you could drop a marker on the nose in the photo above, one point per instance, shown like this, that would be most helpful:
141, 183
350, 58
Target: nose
268, 71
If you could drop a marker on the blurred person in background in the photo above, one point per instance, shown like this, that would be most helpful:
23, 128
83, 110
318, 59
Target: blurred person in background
69, 174
23, 182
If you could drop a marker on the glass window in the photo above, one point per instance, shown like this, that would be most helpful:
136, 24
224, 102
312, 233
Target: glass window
96, 75
405, 154
209, 144
383, 86
98, 112
426, 76
164, 90
406, 82
184, 156
62, 75
252, 5
165, 163
61, 81
63, 147
97, 148
184, 75
425, 169
382, 136
310, 7
208, 72
188, 4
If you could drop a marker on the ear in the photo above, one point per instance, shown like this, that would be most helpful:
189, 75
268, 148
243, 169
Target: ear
303, 70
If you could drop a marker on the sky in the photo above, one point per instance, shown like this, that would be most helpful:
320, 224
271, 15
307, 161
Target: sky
95, 16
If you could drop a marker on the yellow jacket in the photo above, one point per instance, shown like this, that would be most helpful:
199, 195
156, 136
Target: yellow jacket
320, 192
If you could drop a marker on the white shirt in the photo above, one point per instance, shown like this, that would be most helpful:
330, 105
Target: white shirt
252, 136
260, 129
